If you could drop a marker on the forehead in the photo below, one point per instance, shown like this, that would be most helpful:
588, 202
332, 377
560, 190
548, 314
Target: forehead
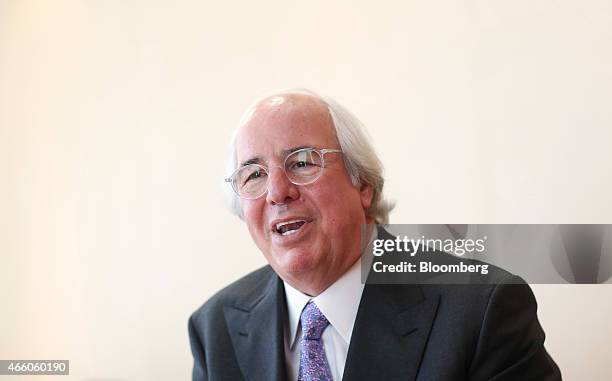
283, 122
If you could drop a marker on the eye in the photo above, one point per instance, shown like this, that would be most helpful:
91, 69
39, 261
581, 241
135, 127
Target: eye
254, 175
302, 164
251, 175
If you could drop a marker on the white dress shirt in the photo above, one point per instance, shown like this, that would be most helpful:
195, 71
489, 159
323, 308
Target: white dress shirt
339, 303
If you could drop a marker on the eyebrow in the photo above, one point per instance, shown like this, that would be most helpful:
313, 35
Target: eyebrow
254, 160
258, 159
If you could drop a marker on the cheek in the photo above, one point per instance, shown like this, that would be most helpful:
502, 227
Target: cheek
340, 210
253, 216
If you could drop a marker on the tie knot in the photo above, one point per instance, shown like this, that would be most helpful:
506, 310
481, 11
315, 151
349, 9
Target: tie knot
313, 322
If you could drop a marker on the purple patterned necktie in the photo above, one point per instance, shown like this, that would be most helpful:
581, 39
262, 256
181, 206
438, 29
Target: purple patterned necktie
313, 363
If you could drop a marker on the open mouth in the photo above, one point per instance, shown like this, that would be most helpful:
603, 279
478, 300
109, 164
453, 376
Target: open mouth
289, 227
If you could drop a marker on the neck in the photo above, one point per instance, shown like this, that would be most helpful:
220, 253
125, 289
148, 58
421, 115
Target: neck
314, 286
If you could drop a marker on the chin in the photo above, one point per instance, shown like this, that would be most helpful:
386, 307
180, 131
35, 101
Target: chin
295, 261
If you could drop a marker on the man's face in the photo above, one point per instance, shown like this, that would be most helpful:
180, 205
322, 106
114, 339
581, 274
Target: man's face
332, 209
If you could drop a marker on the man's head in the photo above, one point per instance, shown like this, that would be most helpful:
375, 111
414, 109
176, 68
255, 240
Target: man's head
328, 213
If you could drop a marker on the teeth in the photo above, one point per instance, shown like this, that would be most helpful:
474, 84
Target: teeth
291, 230
278, 226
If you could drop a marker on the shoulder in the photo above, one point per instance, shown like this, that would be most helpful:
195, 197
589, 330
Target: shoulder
475, 298
471, 303
242, 293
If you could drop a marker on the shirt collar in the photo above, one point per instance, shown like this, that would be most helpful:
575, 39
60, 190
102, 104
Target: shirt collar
339, 303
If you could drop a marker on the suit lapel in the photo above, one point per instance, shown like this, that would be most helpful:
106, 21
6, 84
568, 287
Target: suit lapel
257, 332
390, 334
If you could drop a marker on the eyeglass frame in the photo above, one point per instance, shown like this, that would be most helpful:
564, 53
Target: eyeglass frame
320, 151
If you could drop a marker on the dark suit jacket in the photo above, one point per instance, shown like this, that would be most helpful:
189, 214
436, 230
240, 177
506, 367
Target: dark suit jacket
401, 332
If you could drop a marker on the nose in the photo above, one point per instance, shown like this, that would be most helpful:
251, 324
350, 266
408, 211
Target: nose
280, 189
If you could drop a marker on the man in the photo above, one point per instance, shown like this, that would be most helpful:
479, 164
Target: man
306, 181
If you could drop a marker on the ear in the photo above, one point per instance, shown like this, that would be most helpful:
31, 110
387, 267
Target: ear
366, 193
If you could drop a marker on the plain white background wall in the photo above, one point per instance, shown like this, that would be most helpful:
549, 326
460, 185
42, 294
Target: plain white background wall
114, 118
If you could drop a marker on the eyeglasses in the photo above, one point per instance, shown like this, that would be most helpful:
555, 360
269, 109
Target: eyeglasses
302, 167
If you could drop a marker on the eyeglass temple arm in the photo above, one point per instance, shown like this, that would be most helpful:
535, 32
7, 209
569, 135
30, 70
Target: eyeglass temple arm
324, 151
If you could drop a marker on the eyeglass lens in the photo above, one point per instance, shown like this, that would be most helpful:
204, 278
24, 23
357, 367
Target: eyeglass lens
302, 167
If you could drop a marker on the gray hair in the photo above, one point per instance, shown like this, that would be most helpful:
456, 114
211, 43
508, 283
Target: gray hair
360, 159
